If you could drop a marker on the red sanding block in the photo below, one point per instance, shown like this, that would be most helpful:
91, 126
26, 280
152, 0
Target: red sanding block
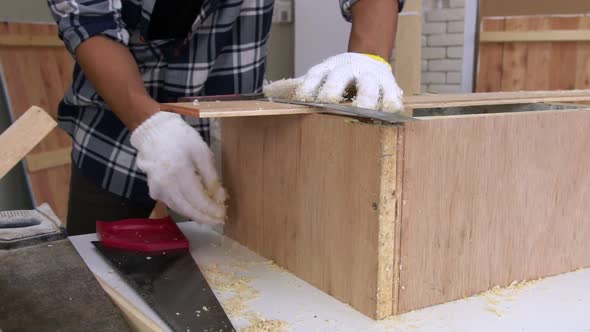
142, 235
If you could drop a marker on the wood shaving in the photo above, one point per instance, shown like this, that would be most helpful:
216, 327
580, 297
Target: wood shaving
239, 287
267, 326
498, 295
273, 266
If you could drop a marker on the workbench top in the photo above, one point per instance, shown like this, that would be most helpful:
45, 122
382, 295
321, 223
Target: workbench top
252, 289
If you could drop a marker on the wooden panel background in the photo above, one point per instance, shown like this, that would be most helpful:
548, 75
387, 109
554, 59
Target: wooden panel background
518, 66
532, 7
39, 75
490, 199
305, 192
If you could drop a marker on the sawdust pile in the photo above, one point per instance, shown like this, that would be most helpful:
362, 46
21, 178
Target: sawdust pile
266, 326
499, 294
239, 288
240, 292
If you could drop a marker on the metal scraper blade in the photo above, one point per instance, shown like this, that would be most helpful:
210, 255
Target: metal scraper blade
173, 285
349, 110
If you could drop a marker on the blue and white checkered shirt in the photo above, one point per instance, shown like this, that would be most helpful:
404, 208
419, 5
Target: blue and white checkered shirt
223, 52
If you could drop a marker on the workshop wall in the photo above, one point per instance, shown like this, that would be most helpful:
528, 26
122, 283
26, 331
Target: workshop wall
442, 45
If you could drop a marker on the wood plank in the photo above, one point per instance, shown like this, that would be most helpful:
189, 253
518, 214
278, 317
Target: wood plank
235, 108
489, 62
305, 192
534, 36
538, 56
488, 200
24, 40
247, 108
138, 321
532, 7
22, 136
514, 58
408, 65
496, 98
44, 160
583, 58
562, 69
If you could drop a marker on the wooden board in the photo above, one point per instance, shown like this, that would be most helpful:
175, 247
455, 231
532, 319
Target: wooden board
538, 35
408, 65
491, 199
533, 53
22, 136
39, 75
44, 160
305, 191
135, 317
261, 108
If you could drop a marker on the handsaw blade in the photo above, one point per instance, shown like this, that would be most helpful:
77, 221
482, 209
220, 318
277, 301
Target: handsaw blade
173, 285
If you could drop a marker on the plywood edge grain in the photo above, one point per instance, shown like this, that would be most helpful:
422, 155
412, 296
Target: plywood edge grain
225, 109
398, 219
387, 216
495, 98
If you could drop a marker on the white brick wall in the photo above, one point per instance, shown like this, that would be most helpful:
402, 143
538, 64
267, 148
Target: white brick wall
442, 45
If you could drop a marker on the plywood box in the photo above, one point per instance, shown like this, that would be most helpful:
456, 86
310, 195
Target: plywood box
392, 218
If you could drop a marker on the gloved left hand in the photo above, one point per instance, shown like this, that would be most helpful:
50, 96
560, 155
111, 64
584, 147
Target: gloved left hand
179, 167
376, 87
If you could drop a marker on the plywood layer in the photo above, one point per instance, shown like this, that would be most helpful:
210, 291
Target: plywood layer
305, 191
491, 199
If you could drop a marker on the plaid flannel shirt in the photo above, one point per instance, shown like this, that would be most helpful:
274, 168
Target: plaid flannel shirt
224, 53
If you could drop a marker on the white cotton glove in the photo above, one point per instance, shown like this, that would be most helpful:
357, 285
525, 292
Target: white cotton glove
328, 81
179, 167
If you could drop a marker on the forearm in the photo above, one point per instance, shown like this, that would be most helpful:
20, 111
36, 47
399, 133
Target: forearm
112, 70
374, 23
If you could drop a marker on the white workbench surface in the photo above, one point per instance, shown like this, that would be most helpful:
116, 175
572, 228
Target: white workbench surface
560, 303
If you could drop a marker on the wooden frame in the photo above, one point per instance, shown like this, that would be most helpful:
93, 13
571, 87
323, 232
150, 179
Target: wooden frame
534, 36
392, 218
31, 41
512, 49
36, 69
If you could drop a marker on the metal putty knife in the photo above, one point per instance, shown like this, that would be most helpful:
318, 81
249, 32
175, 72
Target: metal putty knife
341, 109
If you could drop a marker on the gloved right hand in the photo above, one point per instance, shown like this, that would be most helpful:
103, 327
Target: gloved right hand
179, 167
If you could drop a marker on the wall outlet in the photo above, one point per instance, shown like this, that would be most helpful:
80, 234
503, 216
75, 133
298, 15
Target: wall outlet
283, 11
